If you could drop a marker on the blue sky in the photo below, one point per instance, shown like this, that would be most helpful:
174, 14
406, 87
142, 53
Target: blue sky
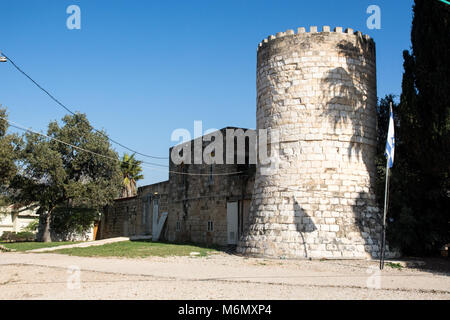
140, 69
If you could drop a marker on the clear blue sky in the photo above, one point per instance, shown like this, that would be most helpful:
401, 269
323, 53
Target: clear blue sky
141, 69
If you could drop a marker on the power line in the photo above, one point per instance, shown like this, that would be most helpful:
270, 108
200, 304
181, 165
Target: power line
20, 127
73, 113
101, 132
17, 126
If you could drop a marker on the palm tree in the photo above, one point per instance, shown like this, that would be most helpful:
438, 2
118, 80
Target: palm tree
132, 172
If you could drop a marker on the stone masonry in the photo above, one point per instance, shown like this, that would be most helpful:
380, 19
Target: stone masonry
132, 216
318, 89
195, 196
199, 193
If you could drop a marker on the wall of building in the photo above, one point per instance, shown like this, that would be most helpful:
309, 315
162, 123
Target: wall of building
133, 216
16, 219
200, 193
201, 201
118, 219
194, 195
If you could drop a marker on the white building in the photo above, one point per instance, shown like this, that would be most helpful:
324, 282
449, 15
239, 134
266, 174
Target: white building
16, 219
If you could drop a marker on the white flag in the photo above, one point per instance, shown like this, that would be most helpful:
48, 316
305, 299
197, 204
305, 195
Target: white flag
390, 142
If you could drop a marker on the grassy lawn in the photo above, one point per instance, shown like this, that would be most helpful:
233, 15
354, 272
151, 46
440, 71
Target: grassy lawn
137, 249
24, 246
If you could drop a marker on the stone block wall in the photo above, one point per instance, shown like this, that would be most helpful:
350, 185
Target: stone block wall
119, 219
194, 195
146, 197
199, 193
133, 216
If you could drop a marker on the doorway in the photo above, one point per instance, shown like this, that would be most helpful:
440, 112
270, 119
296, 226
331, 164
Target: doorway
232, 222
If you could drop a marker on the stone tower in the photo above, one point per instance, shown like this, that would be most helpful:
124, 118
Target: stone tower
318, 91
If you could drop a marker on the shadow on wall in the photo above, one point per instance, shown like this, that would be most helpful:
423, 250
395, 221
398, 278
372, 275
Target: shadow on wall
303, 223
349, 105
350, 91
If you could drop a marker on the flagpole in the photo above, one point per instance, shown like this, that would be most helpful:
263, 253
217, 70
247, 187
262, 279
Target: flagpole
383, 231
386, 197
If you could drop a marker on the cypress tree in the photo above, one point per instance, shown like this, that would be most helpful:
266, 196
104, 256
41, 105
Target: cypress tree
420, 190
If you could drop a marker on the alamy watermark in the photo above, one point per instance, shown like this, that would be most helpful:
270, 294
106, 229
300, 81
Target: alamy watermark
374, 20
374, 280
74, 278
74, 20
236, 147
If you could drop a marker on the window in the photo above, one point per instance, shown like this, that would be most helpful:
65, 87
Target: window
210, 226
178, 226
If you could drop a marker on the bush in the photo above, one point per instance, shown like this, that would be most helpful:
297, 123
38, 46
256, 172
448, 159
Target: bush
66, 221
25, 236
32, 226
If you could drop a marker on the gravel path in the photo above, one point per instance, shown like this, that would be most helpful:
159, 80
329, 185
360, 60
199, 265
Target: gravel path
220, 276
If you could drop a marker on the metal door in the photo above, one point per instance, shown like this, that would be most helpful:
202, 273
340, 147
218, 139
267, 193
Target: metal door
232, 222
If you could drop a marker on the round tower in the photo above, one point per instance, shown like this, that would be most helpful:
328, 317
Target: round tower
317, 90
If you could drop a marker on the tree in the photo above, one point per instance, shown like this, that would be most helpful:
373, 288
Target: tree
131, 173
8, 150
9, 146
420, 190
63, 179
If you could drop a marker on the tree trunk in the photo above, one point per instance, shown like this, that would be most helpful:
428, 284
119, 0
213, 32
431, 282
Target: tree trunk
44, 227
132, 188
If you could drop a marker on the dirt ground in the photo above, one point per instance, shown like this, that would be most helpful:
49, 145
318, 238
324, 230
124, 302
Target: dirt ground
220, 276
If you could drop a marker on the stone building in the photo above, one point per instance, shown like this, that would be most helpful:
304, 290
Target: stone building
206, 203
317, 90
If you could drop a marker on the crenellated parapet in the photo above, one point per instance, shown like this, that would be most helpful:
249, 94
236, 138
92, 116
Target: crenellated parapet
301, 31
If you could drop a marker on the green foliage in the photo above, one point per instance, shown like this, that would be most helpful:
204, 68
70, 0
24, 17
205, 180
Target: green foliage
55, 175
137, 249
32, 226
3, 123
4, 201
394, 265
72, 220
9, 144
24, 236
419, 187
131, 173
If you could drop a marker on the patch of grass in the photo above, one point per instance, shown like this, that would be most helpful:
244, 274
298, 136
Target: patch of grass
394, 265
24, 246
137, 249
